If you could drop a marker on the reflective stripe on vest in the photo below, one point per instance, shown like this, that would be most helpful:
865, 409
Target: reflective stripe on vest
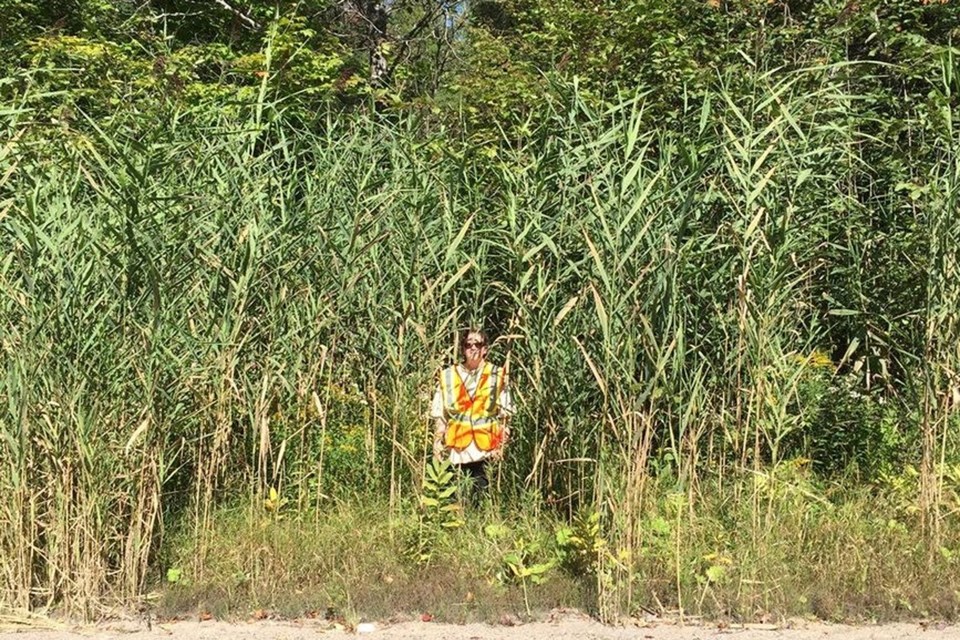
472, 418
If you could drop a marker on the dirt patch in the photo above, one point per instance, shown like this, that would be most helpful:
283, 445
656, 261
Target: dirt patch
558, 627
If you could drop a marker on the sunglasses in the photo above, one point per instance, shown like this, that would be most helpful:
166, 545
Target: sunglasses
472, 344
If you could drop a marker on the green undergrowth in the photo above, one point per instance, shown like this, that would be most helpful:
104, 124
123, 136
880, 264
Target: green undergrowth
356, 560
774, 547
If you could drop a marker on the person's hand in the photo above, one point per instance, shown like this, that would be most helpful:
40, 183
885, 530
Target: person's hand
439, 449
497, 454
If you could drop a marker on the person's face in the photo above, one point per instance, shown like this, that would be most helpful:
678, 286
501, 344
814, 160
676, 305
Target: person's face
474, 350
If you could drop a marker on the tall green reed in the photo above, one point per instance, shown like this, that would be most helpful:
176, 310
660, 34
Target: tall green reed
202, 311
937, 193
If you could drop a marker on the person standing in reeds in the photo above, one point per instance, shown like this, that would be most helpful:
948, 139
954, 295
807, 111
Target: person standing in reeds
471, 409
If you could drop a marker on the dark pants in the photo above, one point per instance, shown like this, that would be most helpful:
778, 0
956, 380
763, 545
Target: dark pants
475, 475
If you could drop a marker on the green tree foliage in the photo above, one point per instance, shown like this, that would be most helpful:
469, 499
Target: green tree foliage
674, 49
104, 58
97, 55
667, 46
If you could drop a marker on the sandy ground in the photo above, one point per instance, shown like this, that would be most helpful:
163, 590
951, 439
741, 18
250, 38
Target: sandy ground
558, 627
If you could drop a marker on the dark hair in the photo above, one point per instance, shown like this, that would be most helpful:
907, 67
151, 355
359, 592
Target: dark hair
480, 332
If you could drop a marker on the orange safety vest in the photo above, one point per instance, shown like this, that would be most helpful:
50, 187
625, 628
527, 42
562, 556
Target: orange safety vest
473, 418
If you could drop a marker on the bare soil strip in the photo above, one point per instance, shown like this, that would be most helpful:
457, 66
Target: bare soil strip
567, 627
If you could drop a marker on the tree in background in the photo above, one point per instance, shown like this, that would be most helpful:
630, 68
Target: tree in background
99, 56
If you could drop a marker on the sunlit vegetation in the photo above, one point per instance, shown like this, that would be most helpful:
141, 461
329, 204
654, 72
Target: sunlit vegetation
728, 298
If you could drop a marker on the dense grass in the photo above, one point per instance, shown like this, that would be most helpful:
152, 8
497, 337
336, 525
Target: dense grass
200, 311
849, 558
